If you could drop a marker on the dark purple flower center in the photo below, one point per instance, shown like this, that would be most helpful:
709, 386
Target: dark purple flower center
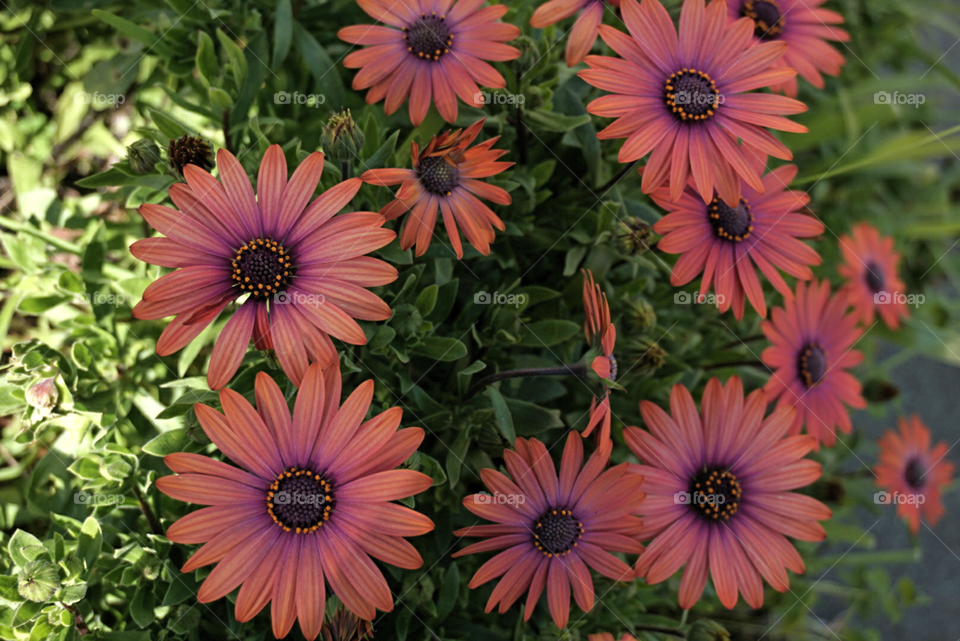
874, 277
556, 532
262, 267
766, 16
914, 474
429, 37
812, 364
613, 367
691, 95
438, 176
715, 494
300, 500
730, 223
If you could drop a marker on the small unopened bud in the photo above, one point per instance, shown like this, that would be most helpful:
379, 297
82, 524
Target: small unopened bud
143, 156
706, 630
342, 139
529, 54
645, 355
640, 316
43, 396
38, 581
877, 390
189, 150
633, 237
344, 625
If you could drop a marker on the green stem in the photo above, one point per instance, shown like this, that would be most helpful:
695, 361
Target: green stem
662, 629
580, 370
59, 243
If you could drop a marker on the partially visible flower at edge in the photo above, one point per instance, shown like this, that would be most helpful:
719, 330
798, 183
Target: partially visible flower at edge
583, 35
873, 285
602, 334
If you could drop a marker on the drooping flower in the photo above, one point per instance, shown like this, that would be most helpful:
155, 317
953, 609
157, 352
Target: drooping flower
601, 334
812, 340
805, 27
687, 100
429, 51
584, 32
870, 267
718, 493
908, 468
309, 505
301, 270
447, 177
550, 529
726, 243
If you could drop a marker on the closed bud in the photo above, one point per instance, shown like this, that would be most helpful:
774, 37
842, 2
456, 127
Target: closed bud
342, 139
877, 390
344, 625
644, 355
143, 156
43, 396
529, 54
640, 316
189, 150
633, 236
706, 630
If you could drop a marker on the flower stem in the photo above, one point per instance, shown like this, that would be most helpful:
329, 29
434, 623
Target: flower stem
148, 512
521, 136
613, 181
345, 169
579, 369
662, 629
78, 621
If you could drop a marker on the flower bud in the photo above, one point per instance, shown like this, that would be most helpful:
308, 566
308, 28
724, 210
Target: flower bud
640, 316
143, 156
342, 139
43, 396
189, 150
644, 355
344, 625
633, 237
706, 630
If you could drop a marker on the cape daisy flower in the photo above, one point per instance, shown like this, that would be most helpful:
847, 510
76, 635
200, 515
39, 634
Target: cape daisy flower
429, 51
600, 333
805, 27
726, 243
446, 176
812, 347
870, 267
550, 529
718, 493
909, 468
584, 32
300, 271
308, 506
687, 99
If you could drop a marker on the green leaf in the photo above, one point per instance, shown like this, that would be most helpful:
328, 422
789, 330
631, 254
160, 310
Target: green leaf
552, 121
502, 413
427, 299
321, 65
548, 333
282, 32
169, 127
90, 542
71, 594
141, 607
24, 547
381, 155
167, 443
238, 61
206, 60
441, 348
465, 375
220, 98
432, 468
531, 419
449, 591
153, 42
455, 457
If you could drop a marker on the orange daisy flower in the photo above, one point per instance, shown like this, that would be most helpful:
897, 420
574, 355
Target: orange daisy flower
446, 176
870, 268
600, 333
912, 473
430, 51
